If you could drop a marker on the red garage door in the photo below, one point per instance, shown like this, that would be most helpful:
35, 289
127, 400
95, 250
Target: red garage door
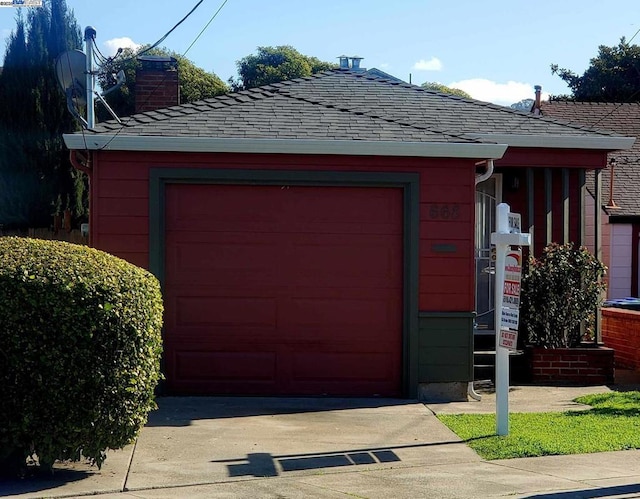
290, 290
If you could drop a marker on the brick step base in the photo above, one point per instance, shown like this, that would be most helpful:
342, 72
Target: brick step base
588, 366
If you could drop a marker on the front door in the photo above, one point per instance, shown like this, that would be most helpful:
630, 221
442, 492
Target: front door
488, 194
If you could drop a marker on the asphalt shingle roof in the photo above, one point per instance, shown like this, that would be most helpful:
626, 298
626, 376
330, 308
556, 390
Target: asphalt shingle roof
341, 105
624, 119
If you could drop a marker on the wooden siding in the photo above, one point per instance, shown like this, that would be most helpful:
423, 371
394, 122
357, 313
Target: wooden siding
540, 158
514, 163
517, 199
445, 347
120, 209
590, 233
120, 225
620, 264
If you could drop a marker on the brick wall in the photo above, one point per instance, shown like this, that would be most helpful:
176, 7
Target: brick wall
621, 332
157, 84
156, 89
585, 366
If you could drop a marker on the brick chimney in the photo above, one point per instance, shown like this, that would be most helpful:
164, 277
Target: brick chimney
156, 83
537, 103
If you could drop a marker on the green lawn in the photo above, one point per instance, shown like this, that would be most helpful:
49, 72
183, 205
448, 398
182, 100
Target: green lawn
613, 423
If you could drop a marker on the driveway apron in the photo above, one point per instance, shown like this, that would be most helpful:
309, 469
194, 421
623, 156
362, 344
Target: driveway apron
191, 441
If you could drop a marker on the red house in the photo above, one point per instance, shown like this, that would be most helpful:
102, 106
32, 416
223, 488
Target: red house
326, 235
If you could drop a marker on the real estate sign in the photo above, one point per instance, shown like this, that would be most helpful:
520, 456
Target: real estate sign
515, 223
510, 316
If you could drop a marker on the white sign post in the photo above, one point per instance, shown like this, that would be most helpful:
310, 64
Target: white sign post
506, 317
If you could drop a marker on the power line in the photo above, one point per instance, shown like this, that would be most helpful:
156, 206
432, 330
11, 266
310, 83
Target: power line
618, 106
205, 27
172, 29
163, 38
99, 55
123, 125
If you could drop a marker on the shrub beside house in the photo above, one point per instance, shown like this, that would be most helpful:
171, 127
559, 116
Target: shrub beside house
80, 345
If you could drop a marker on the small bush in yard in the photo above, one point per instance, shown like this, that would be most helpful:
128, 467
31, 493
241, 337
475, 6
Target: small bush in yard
80, 346
561, 291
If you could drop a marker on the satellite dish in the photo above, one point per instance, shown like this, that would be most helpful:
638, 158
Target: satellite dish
71, 71
71, 68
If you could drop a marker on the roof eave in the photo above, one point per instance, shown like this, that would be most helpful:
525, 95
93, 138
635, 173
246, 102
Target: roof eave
105, 142
609, 143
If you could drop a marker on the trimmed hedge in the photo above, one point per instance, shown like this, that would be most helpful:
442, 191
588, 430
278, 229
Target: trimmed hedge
80, 347
560, 291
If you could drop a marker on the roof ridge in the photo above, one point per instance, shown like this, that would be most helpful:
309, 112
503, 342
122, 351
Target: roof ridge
584, 102
577, 126
164, 113
374, 116
479, 103
484, 104
341, 83
264, 91
506, 109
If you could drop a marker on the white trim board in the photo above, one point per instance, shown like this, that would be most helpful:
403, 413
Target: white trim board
592, 141
93, 142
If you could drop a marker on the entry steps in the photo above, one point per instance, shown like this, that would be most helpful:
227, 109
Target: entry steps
484, 357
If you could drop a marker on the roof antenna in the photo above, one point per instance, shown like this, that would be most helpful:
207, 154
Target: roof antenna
89, 37
69, 66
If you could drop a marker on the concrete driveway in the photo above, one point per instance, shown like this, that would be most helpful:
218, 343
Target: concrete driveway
195, 441
326, 448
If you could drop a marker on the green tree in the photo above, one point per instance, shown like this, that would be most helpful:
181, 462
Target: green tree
195, 83
612, 76
35, 172
523, 105
439, 87
274, 64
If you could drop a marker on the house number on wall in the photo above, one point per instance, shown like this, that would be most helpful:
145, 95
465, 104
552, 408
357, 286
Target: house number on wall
444, 211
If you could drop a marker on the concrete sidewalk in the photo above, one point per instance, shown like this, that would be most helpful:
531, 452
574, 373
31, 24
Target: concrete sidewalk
333, 448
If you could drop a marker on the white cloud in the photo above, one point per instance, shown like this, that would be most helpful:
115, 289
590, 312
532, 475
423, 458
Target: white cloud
383, 65
114, 44
504, 94
433, 64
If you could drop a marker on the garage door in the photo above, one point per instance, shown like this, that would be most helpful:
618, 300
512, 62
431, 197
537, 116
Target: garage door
283, 290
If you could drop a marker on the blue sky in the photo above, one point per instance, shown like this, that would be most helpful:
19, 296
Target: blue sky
494, 49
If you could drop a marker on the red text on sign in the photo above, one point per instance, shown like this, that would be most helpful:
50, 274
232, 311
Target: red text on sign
511, 288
